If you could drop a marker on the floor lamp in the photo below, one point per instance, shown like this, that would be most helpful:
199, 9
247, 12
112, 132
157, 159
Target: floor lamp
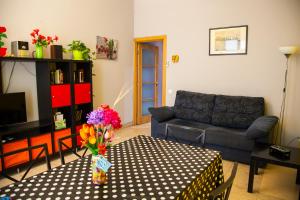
287, 51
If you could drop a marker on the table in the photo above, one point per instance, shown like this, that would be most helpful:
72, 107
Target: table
196, 135
143, 168
261, 154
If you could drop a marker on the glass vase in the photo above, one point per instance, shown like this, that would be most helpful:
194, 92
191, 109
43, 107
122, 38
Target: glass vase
39, 52
99, 177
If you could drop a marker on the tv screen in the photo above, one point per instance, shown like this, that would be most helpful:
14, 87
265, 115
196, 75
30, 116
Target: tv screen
12, 108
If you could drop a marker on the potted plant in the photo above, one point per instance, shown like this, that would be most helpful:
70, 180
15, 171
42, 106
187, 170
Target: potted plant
41, 41
2, 35
79, 50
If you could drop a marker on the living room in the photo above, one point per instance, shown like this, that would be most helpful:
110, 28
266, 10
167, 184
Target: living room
186, 28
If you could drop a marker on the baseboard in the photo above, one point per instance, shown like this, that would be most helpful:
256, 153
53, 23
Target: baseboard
128, 124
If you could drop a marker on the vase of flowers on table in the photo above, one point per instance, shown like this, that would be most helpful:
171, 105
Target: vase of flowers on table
2, 35
97, 136
41, 41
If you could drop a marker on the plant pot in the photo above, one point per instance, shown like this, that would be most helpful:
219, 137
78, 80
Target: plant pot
3, 51
39, 52
99, 177
77, 55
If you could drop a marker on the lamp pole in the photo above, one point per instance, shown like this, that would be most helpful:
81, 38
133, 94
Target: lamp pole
282, 110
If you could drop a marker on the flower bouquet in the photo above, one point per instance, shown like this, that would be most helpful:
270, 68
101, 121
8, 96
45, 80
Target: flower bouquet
41, 41
97, 136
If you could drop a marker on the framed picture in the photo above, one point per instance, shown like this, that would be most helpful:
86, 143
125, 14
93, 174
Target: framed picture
228, 40
106, 48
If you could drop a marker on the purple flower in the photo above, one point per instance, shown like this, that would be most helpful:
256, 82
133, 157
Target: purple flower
95, 117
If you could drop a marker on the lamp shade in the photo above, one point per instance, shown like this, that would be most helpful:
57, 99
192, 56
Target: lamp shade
288, 50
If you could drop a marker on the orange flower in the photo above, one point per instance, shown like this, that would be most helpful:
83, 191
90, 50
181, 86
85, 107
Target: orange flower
92, 132
92, 140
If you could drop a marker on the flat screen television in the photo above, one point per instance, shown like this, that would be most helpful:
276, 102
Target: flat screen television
12, 108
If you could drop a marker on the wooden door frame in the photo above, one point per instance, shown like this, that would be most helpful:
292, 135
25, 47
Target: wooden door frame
160, 38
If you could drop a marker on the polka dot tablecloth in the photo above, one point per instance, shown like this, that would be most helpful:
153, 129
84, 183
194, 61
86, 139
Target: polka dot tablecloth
143, 168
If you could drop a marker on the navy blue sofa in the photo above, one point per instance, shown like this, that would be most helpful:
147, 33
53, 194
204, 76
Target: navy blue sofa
233, 124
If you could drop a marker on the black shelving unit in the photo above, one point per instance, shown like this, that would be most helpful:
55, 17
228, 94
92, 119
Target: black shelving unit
73, 98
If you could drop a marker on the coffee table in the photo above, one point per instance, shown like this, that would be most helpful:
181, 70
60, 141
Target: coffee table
261, 154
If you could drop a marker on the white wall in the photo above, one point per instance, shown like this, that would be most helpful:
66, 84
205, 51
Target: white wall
70, 20
272, 23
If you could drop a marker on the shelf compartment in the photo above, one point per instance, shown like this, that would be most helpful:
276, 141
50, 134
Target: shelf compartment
66, 111
64, 67
81, 112
60, 95
81, 72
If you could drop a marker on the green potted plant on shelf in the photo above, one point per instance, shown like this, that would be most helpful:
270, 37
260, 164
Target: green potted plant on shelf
79, 50
2, 35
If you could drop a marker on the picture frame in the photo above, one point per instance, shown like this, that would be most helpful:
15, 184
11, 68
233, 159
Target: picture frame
106, 48
232, 40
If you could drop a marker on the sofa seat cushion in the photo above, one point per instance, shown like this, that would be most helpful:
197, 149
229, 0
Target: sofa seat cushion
185, 130
237, 111
228, 137
194, 106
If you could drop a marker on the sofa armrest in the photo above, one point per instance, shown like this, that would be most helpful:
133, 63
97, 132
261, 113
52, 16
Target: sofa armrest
261, 127
161, 114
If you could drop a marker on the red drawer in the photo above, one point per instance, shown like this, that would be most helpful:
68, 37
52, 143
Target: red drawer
61, 134
82, 93
41, 139
18, 158
61, 95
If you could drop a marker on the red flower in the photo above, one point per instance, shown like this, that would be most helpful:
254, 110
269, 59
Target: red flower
101, 149
32, 34
41, 37
36, 31
2, 29
33, 41
55, 38
49, 38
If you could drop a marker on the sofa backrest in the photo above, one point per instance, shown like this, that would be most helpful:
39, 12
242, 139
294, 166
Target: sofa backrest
194, 106
237, 111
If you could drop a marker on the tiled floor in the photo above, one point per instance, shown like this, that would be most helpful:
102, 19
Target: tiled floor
272, 183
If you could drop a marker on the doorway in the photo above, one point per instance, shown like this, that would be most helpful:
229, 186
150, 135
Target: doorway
149, 76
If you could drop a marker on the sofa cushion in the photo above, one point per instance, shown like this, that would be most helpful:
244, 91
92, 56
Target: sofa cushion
194, 106
237, 111
230, 138
186, 130
162, 113
261, 127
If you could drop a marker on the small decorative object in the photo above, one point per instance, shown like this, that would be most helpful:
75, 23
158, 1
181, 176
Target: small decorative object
97, 136
20, 48
56, 51
59, 121
59, 76
106, 48
175, 58
80, 76
2, 35
228, 40
79, 50
41, 41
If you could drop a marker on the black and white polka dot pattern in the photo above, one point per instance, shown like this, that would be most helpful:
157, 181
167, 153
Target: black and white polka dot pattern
142, 168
